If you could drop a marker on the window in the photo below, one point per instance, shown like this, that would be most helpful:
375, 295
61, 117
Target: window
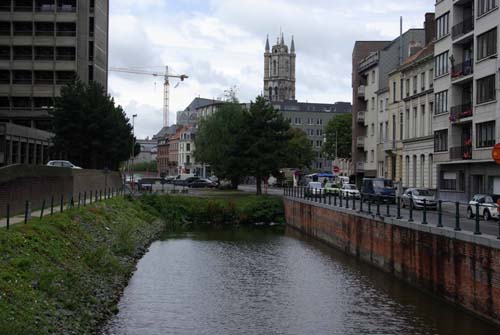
373, 129
441, 140
485, 134
431, 78
441, 64
381, 106
381, 133
484, 6
373, 76
487, 44
407, 87
422, 81
486, 89
373, 103
394, 92
372, 156
415, 84
443, 25
318, 144
401, 125
407, 128
449, 180
441, 101
422, 121
415, 126
401, 89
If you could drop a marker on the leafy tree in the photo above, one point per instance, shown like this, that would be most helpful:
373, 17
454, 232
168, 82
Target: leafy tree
300, 153
267, 136
338, 134
146, 166
218, 142
89, 128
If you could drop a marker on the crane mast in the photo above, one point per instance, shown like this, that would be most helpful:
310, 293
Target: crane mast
166, 86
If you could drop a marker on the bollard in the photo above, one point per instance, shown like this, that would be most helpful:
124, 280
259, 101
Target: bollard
340, 199
369, 204
335, 199
8, 216
361, 203
43, 207
424, 213
26, 209
477, 230
440, 214
353, 203
61, 204
324, 197
52, 205
329, 198
79, 199
398, 208
378, 206
347, 200
410, 219
388, 210
457, 216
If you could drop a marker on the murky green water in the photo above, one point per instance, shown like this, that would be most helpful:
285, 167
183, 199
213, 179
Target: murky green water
255, 282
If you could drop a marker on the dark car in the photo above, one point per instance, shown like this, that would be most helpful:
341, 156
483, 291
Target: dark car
379, 188
202, 183
184, 182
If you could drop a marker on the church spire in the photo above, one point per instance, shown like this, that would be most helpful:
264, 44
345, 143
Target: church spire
292, 46
282, 39
267, 43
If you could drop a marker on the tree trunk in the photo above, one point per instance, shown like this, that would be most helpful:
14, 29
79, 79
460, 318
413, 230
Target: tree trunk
234, 183
259, 184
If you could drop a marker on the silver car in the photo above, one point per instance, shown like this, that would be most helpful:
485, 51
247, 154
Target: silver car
416, 196
61, 163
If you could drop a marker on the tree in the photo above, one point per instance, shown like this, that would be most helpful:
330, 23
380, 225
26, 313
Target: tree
267, 138
338, 134
300, 153
89, 128
218, 142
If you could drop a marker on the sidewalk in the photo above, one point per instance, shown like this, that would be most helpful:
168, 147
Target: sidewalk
35, 215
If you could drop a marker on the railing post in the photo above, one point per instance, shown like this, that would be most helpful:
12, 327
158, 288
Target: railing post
329, 198
370, 204
96, 196
410, 219
361, 203
8, 216
457, 216
340, 199
43, 207
335, 199
477, 230
324, 197
61, 204
79, 198
26, 209
347, 201
424, 214
353, 203
398, 207
378, 206
52, 205
100, 195
388, 211
85, 198
440, 214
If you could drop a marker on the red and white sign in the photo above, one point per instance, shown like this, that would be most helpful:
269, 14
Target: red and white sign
336, 169
495, 153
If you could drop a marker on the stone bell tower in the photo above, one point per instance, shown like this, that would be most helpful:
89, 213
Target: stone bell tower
279, 71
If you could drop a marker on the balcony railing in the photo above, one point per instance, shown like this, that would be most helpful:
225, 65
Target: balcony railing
462, 69
361, 117
461, 111
66, 8
45, 8
361, 91
462, 28
368, 61
463, 152
389, 145
360, 142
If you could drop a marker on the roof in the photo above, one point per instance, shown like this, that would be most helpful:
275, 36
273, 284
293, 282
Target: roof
428, 50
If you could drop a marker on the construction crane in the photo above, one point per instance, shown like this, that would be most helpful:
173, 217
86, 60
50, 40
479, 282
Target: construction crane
166, 86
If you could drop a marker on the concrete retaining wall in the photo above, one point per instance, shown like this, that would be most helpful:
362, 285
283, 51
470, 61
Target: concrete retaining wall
459, 267
19, 183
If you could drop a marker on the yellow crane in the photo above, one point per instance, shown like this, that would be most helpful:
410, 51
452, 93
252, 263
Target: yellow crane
166, 85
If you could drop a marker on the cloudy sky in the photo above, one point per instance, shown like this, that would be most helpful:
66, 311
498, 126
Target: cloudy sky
220, 44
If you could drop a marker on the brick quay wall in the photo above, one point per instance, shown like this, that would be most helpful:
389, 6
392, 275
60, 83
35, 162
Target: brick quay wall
457, 266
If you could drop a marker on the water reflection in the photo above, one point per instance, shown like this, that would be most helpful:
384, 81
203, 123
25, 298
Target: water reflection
256, 282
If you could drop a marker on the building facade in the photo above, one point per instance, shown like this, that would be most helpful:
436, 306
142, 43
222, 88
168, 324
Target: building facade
44, 45
279, 71
466, 107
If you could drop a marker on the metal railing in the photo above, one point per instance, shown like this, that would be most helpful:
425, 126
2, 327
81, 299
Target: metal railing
462, 69
462, 28
463, 152
443, 214
461, 111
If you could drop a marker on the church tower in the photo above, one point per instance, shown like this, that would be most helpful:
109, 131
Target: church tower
279, 71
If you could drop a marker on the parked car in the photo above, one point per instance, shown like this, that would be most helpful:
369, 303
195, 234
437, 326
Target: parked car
65, 164
184, 182
201, 183
350, 191
488, 206
416, 196
314, 189
332, 188
379, 187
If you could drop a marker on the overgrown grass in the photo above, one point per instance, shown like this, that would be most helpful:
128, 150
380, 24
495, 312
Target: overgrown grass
63, 274
184, 212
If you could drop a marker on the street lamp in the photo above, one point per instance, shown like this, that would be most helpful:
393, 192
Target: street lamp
133, 149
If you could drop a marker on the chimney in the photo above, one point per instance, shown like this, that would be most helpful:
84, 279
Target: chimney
430, 27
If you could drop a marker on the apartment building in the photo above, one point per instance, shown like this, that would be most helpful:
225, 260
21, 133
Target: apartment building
44, 45
466, 108
186, 148
374, 92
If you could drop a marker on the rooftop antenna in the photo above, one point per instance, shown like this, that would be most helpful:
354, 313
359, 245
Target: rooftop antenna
401, 40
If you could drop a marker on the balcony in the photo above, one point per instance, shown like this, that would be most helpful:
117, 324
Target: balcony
361, 91
360, 142
461, 111
463, 152
389, 145
368, 61
361, 117
462, 28
360, 166
462, 69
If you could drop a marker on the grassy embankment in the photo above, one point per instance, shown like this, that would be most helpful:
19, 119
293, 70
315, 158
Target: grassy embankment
64, 274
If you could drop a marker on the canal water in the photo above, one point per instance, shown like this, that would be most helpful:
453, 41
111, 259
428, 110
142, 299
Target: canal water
258, 282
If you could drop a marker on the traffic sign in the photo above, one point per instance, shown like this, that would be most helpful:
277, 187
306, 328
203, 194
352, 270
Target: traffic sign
336, 169
495, 153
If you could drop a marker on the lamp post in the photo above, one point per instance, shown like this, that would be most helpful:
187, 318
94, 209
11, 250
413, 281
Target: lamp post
133, 150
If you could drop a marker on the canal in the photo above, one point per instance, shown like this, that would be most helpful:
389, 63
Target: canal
260, 282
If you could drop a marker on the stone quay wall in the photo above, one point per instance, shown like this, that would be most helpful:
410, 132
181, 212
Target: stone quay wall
457, 266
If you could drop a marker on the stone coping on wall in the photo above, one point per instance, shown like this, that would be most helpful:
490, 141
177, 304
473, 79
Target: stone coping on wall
466, 236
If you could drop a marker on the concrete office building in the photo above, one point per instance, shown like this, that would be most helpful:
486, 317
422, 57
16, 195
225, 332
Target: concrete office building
374, 71
466, 107
44, 45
